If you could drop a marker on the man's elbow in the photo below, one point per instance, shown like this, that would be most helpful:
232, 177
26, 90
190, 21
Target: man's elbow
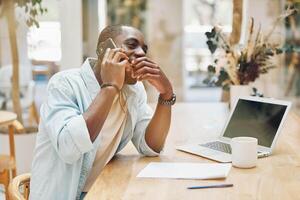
150, 154
147, 150
68, 151
69, 157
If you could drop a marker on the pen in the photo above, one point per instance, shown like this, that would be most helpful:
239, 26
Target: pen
211, 186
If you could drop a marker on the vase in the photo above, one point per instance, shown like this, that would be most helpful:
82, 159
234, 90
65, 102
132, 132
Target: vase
237, 91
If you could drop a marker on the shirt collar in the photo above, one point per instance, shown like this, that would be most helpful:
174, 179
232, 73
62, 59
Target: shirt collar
89, 78
92, 84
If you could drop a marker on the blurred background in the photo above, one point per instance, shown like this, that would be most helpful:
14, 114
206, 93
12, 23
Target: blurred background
175, 33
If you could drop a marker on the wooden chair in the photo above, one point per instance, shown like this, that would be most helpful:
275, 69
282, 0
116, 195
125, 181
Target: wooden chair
19, 188
8, 162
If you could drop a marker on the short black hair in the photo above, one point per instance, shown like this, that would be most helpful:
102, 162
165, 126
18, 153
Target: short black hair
111, 31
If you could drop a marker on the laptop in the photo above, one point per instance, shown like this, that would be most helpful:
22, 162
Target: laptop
257, 117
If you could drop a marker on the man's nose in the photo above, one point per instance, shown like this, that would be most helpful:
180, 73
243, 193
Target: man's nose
139, 52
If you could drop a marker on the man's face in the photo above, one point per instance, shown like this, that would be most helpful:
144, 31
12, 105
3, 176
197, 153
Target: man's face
132, 41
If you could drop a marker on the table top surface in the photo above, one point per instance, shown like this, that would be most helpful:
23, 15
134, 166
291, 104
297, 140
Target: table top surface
7, 117
274, 177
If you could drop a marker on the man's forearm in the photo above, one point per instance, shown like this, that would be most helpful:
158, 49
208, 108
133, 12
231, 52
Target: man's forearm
97, 112
158, 127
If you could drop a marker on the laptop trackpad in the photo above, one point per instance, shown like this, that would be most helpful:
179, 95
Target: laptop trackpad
205, 152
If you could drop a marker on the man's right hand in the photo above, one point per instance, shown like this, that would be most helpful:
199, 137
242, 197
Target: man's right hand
113, 67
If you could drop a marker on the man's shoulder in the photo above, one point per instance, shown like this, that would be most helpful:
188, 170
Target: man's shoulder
63, 78
66, 74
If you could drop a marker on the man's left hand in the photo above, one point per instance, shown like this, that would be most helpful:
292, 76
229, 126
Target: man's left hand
146, 69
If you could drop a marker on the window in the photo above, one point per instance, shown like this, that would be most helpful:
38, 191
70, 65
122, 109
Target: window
44, 43
199, 17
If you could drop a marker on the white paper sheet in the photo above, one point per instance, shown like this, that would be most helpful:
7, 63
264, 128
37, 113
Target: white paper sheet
185, 170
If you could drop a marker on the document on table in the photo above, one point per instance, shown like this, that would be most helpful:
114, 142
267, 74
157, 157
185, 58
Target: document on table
185, 170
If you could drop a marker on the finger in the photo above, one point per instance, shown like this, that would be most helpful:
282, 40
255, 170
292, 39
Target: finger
145, 70
148, 76
113, 52
110, 54
106, 55
117, 50
123, 50
145, 63
140, 59
119, 56
124, 63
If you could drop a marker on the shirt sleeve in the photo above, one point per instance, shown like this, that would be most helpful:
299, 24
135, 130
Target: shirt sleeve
144, 115
64, 123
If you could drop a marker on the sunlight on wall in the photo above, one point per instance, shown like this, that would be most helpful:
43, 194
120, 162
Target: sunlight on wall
44, 43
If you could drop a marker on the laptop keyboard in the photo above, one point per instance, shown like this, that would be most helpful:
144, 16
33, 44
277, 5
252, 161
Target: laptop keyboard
219, 146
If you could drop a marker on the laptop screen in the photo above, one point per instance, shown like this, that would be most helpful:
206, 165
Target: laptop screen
255, 119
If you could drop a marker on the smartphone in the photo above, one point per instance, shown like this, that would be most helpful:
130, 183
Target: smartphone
109, 43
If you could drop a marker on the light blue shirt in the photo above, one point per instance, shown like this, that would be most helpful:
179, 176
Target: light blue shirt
64, 153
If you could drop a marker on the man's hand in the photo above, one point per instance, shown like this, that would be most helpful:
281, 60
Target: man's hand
113, 67
112, 71
158, 127
145, 69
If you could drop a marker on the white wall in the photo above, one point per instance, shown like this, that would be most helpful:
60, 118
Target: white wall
5, 51
91, 28
165, 28
96, 20
71, 33
24, 144
102, 14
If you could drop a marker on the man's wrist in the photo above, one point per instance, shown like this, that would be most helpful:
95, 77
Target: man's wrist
110, 89
167, 96
110, 85
169, 102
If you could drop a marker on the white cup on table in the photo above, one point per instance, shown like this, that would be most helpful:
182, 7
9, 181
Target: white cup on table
244, 152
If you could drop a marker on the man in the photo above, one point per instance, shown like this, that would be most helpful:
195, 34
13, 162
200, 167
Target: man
91, 113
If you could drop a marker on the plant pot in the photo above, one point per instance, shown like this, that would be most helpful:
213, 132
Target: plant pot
237, 91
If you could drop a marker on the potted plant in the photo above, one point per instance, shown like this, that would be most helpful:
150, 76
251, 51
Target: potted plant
238, 65
32, 8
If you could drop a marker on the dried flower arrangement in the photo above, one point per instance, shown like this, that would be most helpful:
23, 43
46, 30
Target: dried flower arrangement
242, 64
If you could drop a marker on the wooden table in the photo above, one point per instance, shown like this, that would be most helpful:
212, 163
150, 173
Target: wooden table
276, 177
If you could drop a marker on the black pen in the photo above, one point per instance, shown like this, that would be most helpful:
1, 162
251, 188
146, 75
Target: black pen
211, 186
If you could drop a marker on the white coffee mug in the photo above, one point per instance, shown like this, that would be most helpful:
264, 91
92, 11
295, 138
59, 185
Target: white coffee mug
244, 152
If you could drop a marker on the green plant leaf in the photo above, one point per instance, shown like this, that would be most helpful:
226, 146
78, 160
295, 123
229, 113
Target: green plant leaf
36, 23
211, 34
278, 51
211, 69
211, 46
32, 9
